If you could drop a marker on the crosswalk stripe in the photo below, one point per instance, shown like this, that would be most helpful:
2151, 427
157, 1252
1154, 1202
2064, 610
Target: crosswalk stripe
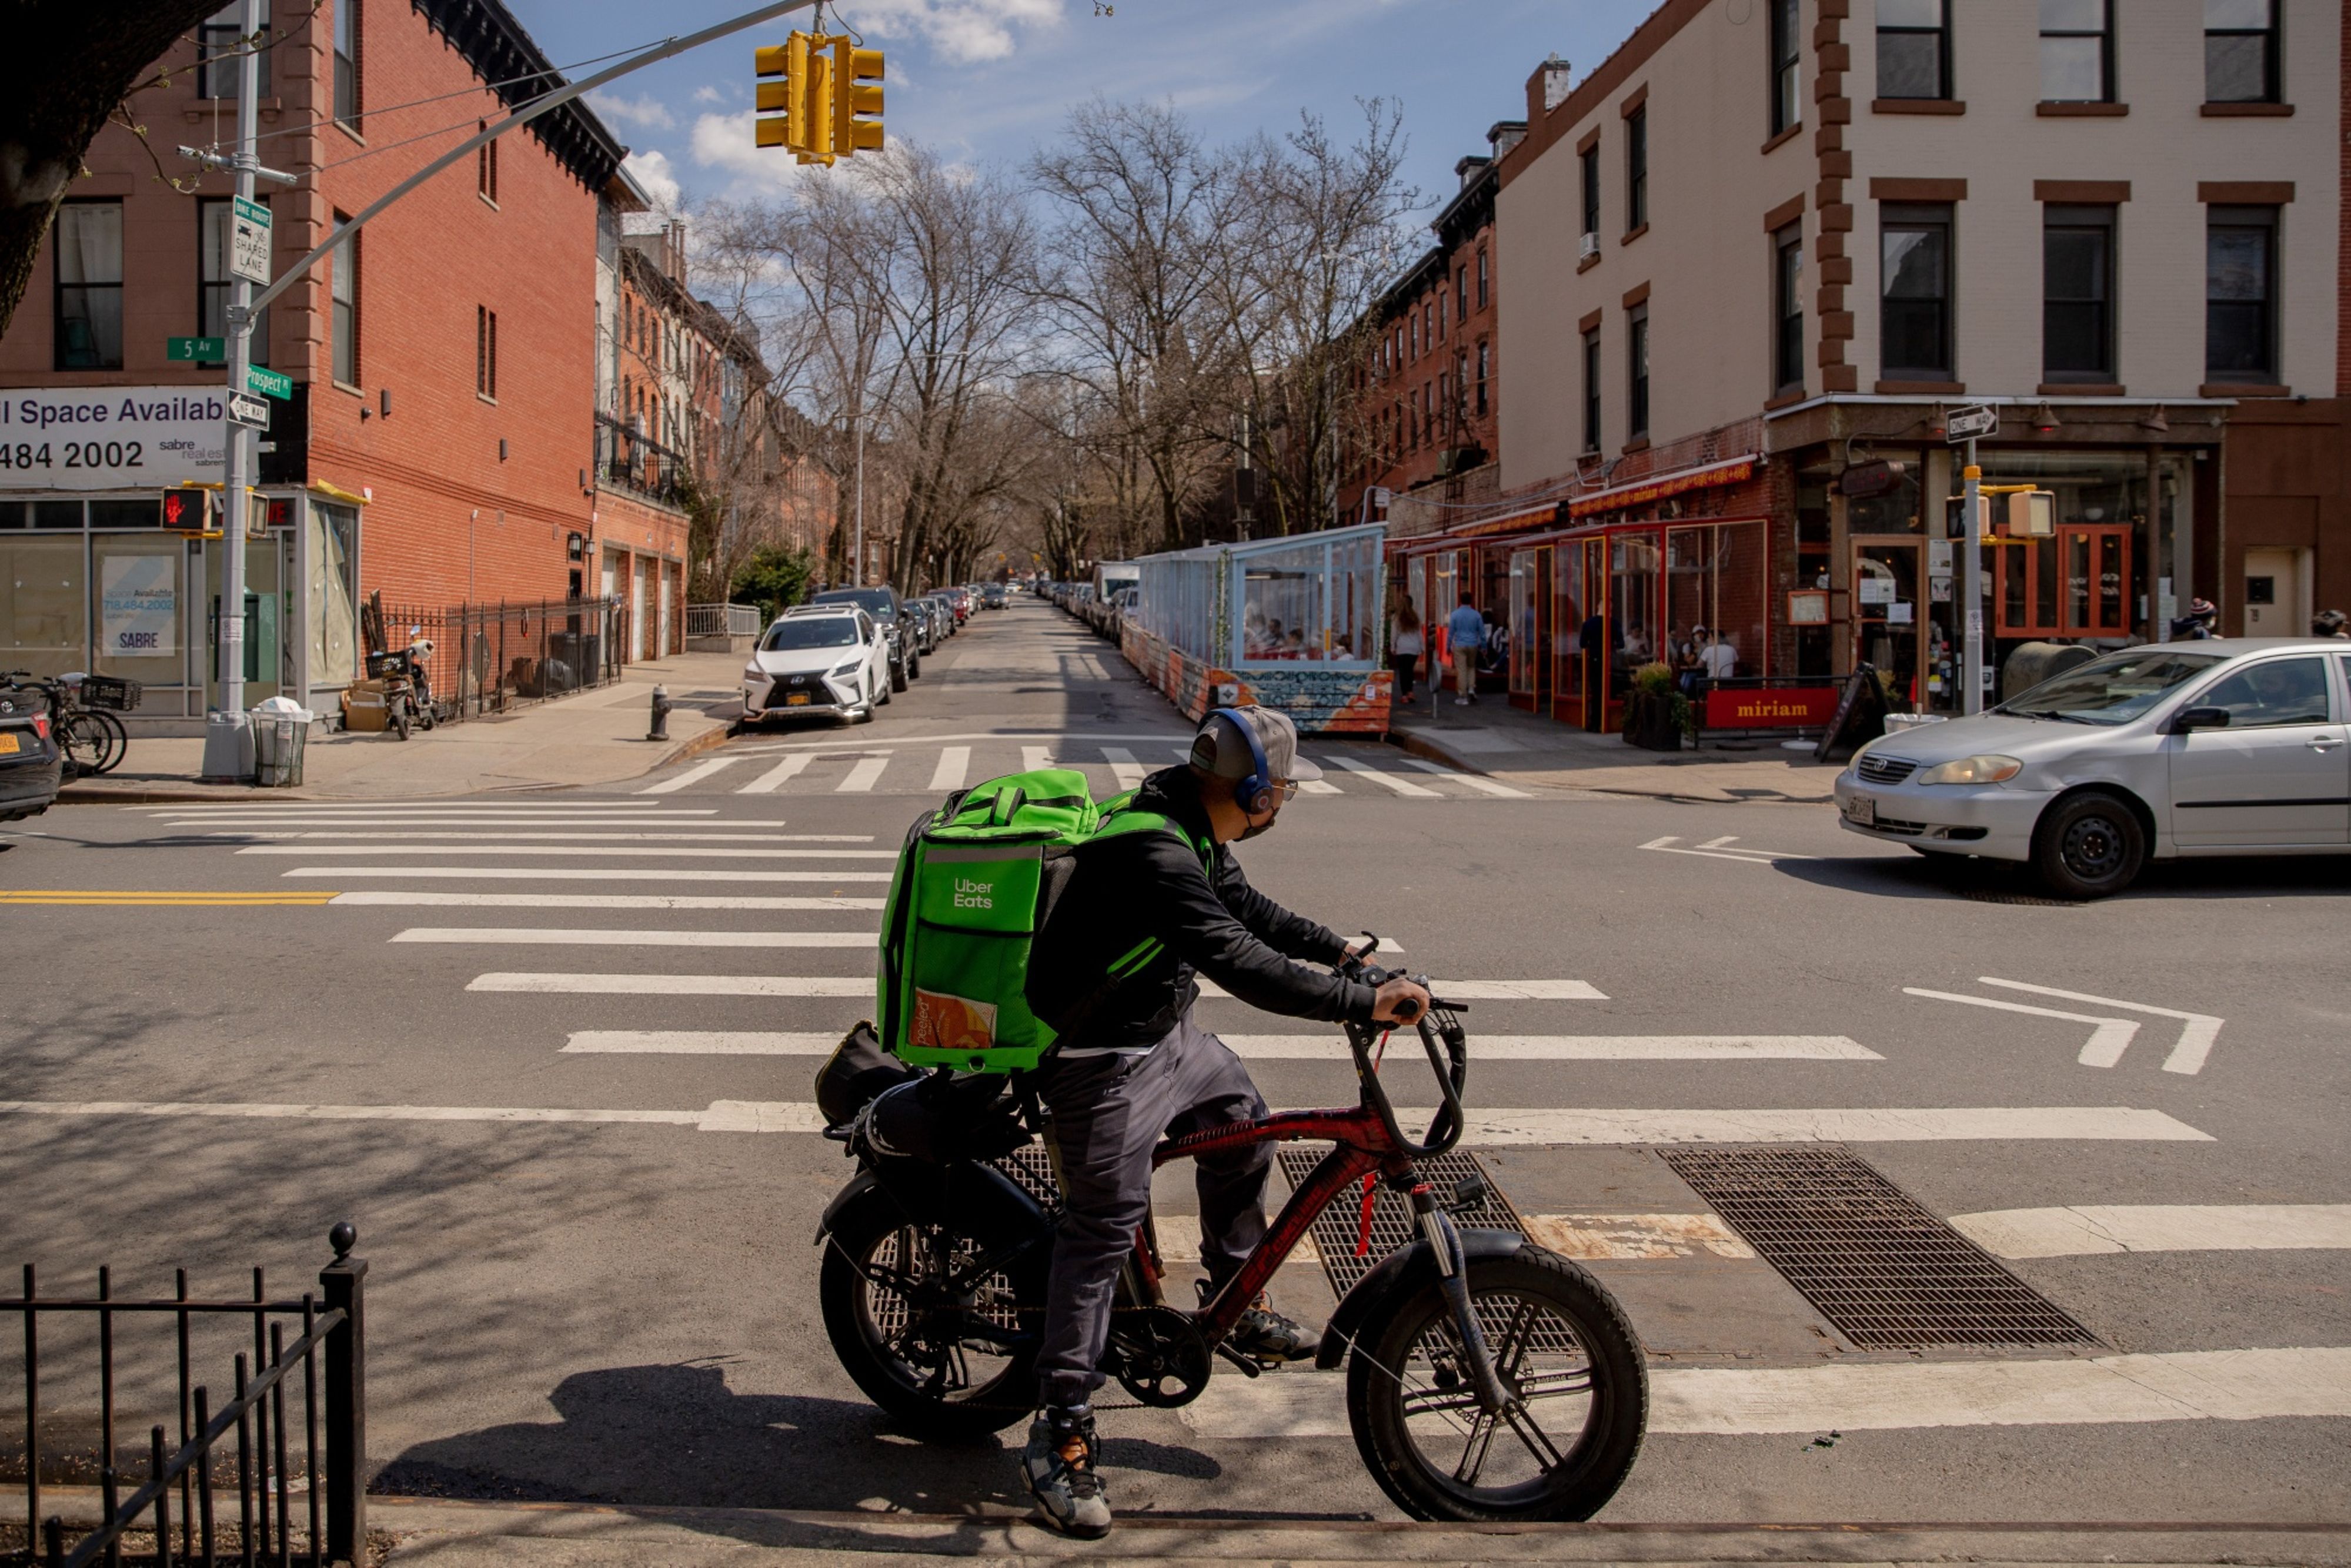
1477, 781
1593, 1048
694, 775
582, 851
176, 899
1858, 1124
864, 777
1587, 1237
273, 822
1484, 1131
954, 761
1489, 991
577, 874
2165, 1385
427, 840
1318, 787
2092, 1228
698, 1042
388, 898
766, 783
677, 985
1123, 767
1033, 758
582, 937
345, 809
1405, 786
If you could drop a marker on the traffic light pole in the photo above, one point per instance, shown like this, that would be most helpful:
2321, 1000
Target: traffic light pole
1971, 531
228, 736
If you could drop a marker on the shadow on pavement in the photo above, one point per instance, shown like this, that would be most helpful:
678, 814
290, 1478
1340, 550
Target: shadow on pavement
2009, 881
677, 1435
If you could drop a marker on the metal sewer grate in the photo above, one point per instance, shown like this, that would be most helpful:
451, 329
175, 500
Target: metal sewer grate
1887, 1273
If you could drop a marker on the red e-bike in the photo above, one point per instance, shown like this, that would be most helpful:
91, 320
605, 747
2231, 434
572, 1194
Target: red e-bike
1487, 1378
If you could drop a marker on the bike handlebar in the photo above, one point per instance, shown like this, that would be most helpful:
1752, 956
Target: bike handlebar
1442, 1039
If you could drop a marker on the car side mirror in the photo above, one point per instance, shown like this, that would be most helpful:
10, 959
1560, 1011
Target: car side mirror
2200, 718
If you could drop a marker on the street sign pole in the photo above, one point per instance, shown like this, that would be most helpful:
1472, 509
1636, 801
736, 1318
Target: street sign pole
1971, 663
228, 738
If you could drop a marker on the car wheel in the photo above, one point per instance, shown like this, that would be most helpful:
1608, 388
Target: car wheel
898, 680
2089, 846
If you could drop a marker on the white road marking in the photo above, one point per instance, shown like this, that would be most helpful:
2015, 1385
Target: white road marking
1723, 842
427, 838
878, 743
2107, 1041
1179, 1241
348, 808
692, 775
2088, 1229
862, 778
2197, 1034
1588, 1048
1036, 758
1489, 991
577, 874
1585, 1237
955, 762
2175, 1386
769, 782
721, 1116
275, 824
1405, 786
698, 1042
568, 852
571, 936
602, 985
1318, 787
390, 898
1477, 781
1752, 857
1857, 1124
1122, 766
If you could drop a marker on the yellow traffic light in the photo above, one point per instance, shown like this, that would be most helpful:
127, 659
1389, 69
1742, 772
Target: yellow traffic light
813, 108
773, 66
853, 68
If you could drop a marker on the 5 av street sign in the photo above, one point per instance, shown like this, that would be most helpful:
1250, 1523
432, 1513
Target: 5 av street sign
1979, 419
208, 351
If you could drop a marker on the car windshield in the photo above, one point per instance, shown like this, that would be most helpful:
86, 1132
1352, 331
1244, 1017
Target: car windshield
876, 601
2114, 689
810, 631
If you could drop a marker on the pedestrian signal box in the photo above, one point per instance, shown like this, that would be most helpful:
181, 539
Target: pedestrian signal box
188, 509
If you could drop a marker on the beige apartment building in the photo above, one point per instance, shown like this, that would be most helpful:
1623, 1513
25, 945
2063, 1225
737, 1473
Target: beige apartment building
1749, 264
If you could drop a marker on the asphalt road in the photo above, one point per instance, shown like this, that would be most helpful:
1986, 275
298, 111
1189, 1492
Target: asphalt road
618, 1301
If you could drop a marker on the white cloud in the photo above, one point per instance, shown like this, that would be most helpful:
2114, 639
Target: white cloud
648, 111
963, 31
725, 142
652, 170
706, 93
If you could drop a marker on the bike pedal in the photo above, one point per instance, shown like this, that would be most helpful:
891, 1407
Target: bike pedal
1250, 1365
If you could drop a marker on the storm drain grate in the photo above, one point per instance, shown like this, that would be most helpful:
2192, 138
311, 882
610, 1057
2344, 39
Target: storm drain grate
1886, 1272
1336, 1230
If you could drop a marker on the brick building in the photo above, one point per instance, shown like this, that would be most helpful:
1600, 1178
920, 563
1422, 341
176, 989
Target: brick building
438, 442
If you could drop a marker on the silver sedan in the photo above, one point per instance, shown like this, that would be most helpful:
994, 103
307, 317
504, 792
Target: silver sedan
2215, 747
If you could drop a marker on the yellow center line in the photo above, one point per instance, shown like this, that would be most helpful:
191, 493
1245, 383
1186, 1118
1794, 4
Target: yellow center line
306, 898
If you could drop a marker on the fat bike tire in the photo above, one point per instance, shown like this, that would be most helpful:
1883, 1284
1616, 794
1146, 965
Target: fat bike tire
1555, 1335
879, 1345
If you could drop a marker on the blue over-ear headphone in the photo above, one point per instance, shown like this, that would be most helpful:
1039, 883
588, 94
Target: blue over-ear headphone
1253, 792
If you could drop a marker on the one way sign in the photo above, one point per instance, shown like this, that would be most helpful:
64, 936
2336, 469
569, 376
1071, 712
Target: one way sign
250, 412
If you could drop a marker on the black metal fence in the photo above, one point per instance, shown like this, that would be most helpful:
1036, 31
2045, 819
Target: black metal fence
492, 658
178, 1498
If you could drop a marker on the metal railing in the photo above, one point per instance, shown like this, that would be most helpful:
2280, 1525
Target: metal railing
634, 461
492, 658
334, 1493
723, 620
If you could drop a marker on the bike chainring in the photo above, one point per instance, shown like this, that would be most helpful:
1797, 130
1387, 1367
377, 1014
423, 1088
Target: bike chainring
1158, 1356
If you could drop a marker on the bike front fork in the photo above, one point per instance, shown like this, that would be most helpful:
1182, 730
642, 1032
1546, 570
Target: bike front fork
1452, 1277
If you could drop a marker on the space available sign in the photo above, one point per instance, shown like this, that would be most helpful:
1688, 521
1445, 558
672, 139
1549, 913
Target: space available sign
111, 438
139, 605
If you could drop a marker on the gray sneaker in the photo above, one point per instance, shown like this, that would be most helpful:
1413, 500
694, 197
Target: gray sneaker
1059, 1468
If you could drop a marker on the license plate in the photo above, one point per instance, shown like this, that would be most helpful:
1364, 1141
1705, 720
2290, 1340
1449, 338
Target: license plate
8, 743
796, 699
1861, 809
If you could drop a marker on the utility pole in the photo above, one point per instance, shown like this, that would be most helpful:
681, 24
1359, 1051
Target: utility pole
228, 736
1971, 652
860, 487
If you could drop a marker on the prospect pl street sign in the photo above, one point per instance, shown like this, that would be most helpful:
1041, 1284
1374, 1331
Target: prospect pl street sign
269, 382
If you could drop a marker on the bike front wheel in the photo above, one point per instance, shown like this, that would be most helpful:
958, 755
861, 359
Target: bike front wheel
1558, 1341
87, 742
118, 739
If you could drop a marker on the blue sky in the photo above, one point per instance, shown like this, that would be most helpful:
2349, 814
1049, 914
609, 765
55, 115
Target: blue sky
988, 80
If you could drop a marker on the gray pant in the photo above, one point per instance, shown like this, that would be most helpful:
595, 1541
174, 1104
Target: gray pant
1108, 1111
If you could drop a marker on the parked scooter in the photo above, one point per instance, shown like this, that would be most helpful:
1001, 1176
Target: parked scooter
407, 683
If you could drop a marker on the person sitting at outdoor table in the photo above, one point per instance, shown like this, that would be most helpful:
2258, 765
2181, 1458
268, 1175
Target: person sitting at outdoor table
1718, 658
1689, 662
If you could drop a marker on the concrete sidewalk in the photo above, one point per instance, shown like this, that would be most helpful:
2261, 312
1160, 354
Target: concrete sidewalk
592, 738
1491, 737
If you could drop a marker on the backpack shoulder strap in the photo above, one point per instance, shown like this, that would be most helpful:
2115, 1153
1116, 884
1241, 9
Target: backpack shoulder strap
1119, 816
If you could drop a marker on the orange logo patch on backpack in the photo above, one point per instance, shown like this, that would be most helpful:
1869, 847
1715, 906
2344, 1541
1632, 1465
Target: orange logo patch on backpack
942, 1022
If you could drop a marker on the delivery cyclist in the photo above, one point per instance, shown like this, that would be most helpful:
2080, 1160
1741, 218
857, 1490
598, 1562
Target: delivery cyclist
1159, 908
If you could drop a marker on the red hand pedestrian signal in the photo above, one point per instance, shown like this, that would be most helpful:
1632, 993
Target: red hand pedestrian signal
188, 509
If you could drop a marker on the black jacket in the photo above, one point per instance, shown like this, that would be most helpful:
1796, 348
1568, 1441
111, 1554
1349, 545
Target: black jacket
1132, 888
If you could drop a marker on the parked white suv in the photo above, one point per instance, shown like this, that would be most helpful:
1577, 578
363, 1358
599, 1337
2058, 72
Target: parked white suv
830, 658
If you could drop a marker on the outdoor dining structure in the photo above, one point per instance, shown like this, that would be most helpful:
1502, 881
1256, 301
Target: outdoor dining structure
1293, 624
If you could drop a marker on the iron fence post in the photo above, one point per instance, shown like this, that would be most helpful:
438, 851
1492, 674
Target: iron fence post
344, 1281
32, 1406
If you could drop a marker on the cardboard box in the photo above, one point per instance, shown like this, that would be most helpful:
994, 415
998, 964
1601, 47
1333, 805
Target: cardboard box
364, 710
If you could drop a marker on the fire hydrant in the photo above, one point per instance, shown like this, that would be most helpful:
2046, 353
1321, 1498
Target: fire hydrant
662, 704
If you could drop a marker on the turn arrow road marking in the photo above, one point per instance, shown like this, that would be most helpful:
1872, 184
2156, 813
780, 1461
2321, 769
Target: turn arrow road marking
1721, 849
2197, 1033
2107, 1041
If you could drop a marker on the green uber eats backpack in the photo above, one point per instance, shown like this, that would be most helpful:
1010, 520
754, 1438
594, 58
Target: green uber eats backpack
975, 880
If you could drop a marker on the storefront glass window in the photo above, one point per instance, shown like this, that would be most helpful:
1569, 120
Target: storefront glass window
138, 587
1897, 510
1689, 589
56, 515
1741, 609
334, 533
44, 604
1632, 598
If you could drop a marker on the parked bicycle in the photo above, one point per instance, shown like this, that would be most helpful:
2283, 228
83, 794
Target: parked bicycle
1488, 1378
82, 709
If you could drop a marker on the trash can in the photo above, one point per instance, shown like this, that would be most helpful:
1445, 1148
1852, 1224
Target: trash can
281, 733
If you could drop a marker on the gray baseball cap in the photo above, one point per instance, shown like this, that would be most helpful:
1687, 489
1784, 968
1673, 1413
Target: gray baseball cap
1217, 749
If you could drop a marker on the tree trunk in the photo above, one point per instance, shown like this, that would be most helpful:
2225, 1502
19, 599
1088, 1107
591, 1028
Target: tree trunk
67, 66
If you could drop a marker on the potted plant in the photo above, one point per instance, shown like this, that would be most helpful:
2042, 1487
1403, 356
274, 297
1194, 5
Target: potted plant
1655, 714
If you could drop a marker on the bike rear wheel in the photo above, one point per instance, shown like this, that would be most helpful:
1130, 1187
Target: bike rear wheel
118, 739
920, 1331
1558, 1340
87, 741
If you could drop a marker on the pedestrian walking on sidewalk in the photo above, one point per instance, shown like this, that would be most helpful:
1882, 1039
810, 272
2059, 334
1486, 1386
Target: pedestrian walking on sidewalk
1406, 642
1464, 629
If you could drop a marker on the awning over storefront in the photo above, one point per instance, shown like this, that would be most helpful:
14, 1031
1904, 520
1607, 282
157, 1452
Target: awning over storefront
1640, 492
